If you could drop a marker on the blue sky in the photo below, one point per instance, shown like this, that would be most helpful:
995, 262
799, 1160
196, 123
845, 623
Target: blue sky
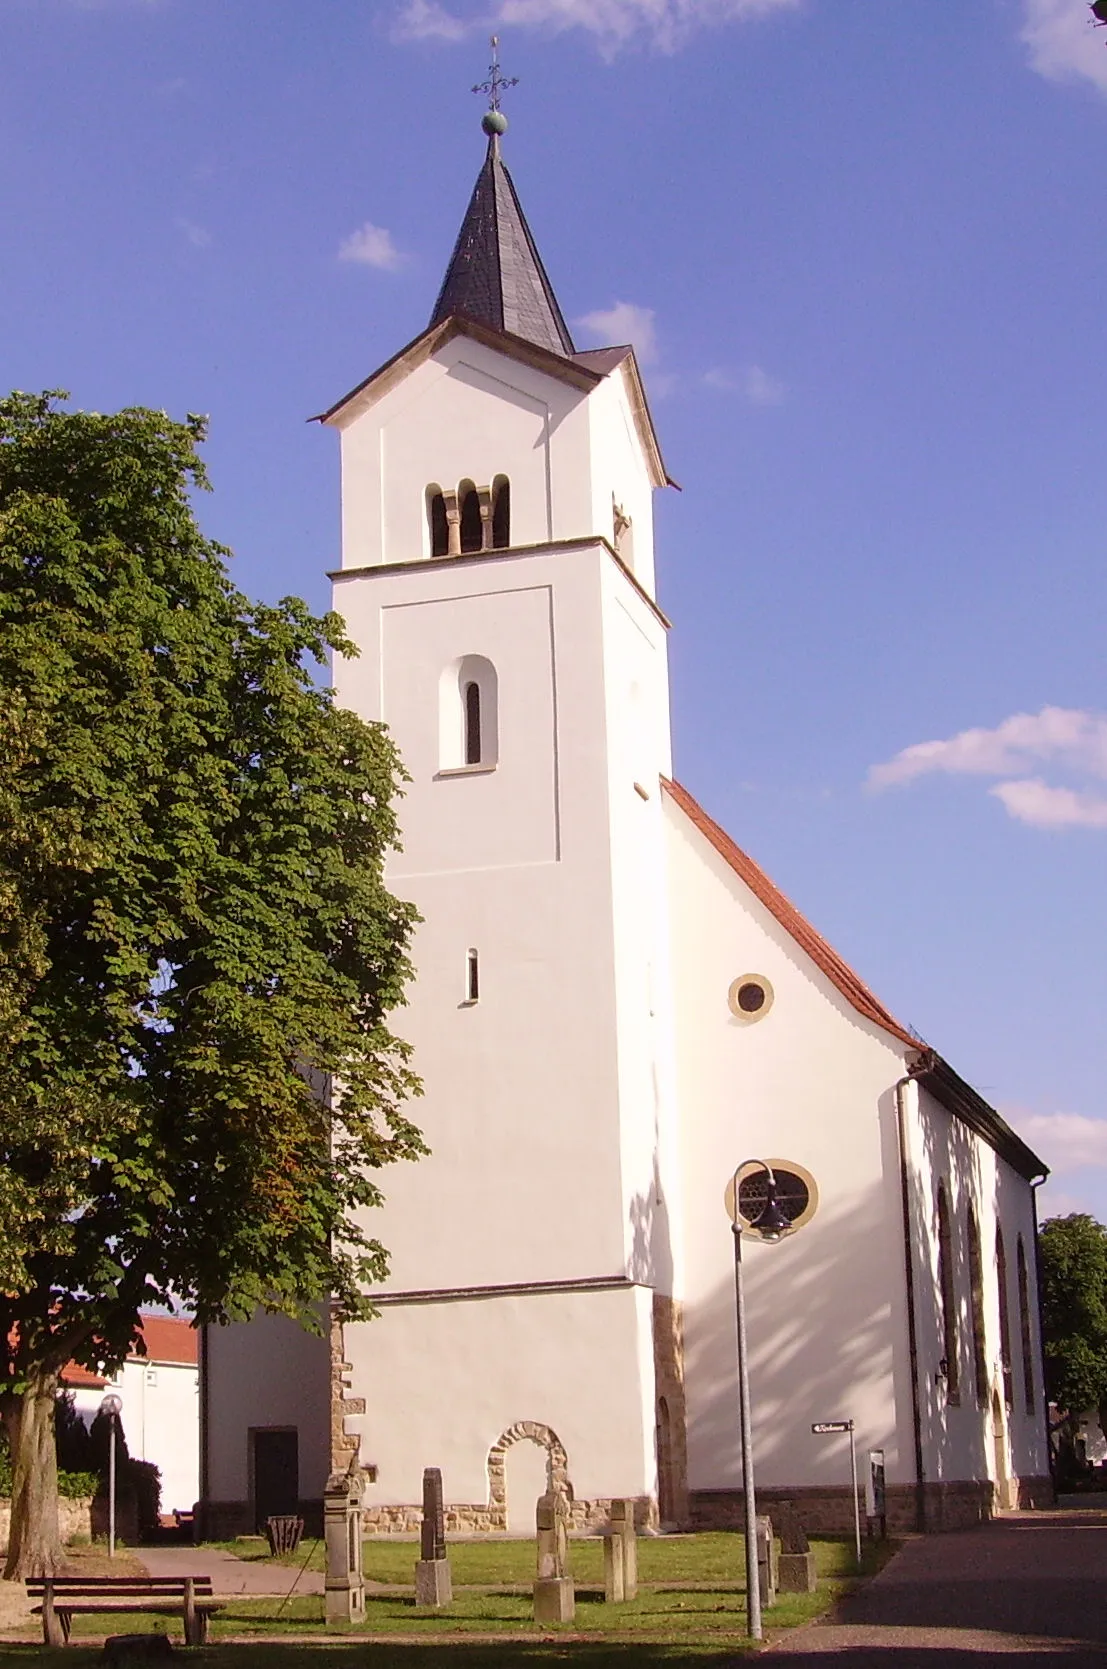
860, 249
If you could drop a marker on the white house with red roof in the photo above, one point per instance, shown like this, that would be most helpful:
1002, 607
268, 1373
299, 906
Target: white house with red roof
160, 1392
613, 1009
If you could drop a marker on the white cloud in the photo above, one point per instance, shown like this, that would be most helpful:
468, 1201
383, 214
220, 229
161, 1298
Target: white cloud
614, 23
1043, 807
1066, 1141
625, 322
1071, 740
426, 20
1064, 42
761, 389
1070, 736
198, 236
371, 246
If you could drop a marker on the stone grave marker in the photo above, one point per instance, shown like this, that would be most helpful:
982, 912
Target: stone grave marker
554, 1596
797, 1562
344, 1584
766, 1561
433, 1583
620, 1555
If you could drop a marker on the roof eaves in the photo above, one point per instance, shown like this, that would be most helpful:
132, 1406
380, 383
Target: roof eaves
643, 418
459, 324
825, 957
959, 1098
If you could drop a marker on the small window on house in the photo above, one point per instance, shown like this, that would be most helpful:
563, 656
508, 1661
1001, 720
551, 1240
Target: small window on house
1024, 1327
501, 513
976, 1295
472, 977
1004, 1320
948, 1302
437, 522
472, 723
472, 535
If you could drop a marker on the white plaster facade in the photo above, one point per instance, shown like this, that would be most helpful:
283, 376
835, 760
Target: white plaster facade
587, 1101
161, 1407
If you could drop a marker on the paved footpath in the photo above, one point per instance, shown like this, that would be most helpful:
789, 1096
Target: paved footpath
1032, 1585
228, 1574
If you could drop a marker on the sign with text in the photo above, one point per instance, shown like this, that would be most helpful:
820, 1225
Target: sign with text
822, 1426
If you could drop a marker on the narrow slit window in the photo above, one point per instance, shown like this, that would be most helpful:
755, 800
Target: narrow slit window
1024, 1327
439, 525
472, 723
501, 513
472, 531
948, 1301
472, 977
1004, 1320
976, 1296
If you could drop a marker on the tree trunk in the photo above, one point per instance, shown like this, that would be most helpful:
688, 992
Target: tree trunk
34, 1541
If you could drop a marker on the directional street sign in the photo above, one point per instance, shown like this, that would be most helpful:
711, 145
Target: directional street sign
831, 1425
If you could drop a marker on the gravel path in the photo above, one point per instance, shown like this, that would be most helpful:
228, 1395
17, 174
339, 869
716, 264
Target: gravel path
1030, 1584
228, 1574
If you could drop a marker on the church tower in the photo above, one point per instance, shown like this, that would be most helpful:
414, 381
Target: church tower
498, 578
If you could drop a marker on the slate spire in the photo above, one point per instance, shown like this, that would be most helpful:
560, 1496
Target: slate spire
495, 273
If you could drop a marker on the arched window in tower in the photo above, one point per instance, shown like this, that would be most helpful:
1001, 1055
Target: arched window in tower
1024, 1327
468, 714
437, 523
472, 538
976, 1300
1004, 1320
472, 723
948, 1301
501, 513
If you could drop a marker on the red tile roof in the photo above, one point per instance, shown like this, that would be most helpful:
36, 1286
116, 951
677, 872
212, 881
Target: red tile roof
169, 1339
74, 1378
824, 956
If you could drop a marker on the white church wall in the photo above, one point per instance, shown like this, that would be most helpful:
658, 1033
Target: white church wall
811, 1083
444, 1381
467, 413
265, 1373
960, 1431
522, 1093
637, 727
619, 475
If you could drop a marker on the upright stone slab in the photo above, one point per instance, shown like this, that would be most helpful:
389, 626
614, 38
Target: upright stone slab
433, 1583
344, 1585
766, 1562
797, 1562
554, 1596
620, 1555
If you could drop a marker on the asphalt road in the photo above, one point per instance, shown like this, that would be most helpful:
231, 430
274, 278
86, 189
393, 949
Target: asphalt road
1032, 1585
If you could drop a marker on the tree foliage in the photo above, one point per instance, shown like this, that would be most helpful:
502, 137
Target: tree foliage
1074, 1312
195, 935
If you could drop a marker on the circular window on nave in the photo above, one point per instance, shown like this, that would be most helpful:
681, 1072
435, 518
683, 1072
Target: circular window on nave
796, 1192
750, 998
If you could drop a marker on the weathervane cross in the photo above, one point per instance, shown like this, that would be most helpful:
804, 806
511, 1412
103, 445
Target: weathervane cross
495, 83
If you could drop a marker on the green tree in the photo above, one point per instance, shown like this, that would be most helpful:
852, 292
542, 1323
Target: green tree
198, 953
1074, 1316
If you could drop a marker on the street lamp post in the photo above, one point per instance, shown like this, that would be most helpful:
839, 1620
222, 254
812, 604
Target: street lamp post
111, 1406
770, 1224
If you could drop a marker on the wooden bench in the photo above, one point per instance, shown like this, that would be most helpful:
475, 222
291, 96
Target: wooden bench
64, 1597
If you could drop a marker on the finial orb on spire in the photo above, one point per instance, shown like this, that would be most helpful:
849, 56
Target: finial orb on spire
494, 122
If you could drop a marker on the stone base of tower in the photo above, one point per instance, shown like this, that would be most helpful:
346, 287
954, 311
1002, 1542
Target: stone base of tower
464, 1518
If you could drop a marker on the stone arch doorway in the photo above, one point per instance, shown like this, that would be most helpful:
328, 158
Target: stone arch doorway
1001, 1452
555, 1472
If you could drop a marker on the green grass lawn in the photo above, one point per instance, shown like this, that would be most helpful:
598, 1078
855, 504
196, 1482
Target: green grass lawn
695, 1612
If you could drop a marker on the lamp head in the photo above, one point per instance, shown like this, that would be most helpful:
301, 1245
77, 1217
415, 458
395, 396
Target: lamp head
771, 1223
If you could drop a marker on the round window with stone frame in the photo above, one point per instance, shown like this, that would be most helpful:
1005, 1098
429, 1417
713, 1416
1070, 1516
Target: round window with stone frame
796, 1192
749, 998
